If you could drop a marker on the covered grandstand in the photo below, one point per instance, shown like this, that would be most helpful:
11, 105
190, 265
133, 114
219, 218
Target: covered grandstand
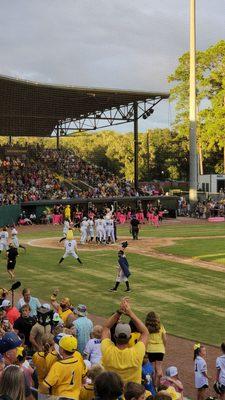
43, 110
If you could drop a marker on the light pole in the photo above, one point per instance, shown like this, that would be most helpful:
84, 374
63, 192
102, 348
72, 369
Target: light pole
193, 163
148, 155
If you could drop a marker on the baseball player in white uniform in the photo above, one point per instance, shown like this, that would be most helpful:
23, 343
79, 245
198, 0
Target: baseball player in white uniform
66, 227
111, 230
101, 230
15, 240
96, 230
91, 232
83, 230
4, 239
71, 248
107, 229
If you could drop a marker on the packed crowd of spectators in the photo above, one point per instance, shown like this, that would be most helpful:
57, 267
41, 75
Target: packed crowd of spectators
39, 173
101, 183
25, 178
210, 208
203, 209
54, 348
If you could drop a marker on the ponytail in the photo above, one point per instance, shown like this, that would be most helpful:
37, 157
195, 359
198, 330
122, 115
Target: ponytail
197, 349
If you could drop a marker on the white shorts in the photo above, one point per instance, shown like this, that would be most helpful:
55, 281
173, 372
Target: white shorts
121, 277
15, 242
70, 253
3, 246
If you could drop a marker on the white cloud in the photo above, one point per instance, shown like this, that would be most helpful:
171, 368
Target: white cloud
124, 44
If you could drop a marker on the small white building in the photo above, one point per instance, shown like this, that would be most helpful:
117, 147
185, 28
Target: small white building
211, 183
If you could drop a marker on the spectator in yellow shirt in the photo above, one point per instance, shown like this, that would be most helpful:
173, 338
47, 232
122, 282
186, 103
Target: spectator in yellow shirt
120, 358
87, 391
63, 308
156, 343
39, 358
65, 376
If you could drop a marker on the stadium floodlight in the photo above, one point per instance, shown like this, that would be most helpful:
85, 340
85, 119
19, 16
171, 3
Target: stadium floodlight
149, 112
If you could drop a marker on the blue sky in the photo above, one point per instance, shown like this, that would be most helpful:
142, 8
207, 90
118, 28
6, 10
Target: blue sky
126, 44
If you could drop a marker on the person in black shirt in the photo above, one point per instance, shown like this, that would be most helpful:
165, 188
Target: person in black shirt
12, 253
134, 227
24, 324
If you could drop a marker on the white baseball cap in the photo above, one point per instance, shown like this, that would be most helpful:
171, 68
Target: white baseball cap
171, 371
46, 306
6, 303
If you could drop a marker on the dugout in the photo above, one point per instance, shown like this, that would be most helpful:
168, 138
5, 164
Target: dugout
10, 214
167, 202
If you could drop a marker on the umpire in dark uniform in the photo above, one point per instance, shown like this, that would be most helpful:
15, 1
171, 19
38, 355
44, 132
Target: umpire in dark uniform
12, 253
134, 227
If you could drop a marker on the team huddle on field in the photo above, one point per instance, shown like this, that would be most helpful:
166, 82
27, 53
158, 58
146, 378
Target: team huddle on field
102, 228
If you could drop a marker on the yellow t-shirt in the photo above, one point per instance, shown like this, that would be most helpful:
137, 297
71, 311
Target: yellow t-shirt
51, 358
87, 392
65, 377
127, 362
135, 336
39, 361
64, 314
69, 235
155, 342
67, 212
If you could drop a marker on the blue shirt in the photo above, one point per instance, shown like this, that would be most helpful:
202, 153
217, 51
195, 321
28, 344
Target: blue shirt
34, 304
147, 372
84, 327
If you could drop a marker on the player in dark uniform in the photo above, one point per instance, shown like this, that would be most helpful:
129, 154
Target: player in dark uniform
12, 253
123, 272
134, 227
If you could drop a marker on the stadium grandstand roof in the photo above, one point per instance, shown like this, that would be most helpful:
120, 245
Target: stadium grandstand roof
37, 109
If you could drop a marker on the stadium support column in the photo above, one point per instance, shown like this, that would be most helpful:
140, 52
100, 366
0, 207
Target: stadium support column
135, 145
10, 140
193, 168
57, 137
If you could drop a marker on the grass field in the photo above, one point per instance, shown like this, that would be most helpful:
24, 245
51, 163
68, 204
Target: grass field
167, 231
189, 299
212, 249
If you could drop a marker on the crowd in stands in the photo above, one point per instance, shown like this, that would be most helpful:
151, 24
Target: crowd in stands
39, 173
203, 209
54, 348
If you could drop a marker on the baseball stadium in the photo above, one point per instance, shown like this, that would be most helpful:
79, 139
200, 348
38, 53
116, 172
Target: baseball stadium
111, 271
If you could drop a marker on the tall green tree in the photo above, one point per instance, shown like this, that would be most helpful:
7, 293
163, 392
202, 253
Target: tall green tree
210, 70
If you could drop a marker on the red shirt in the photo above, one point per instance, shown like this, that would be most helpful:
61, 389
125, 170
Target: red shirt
12, 314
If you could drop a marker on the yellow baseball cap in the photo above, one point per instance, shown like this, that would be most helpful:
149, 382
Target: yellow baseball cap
68, 343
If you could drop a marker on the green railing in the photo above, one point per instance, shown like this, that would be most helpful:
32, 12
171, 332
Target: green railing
9, 215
